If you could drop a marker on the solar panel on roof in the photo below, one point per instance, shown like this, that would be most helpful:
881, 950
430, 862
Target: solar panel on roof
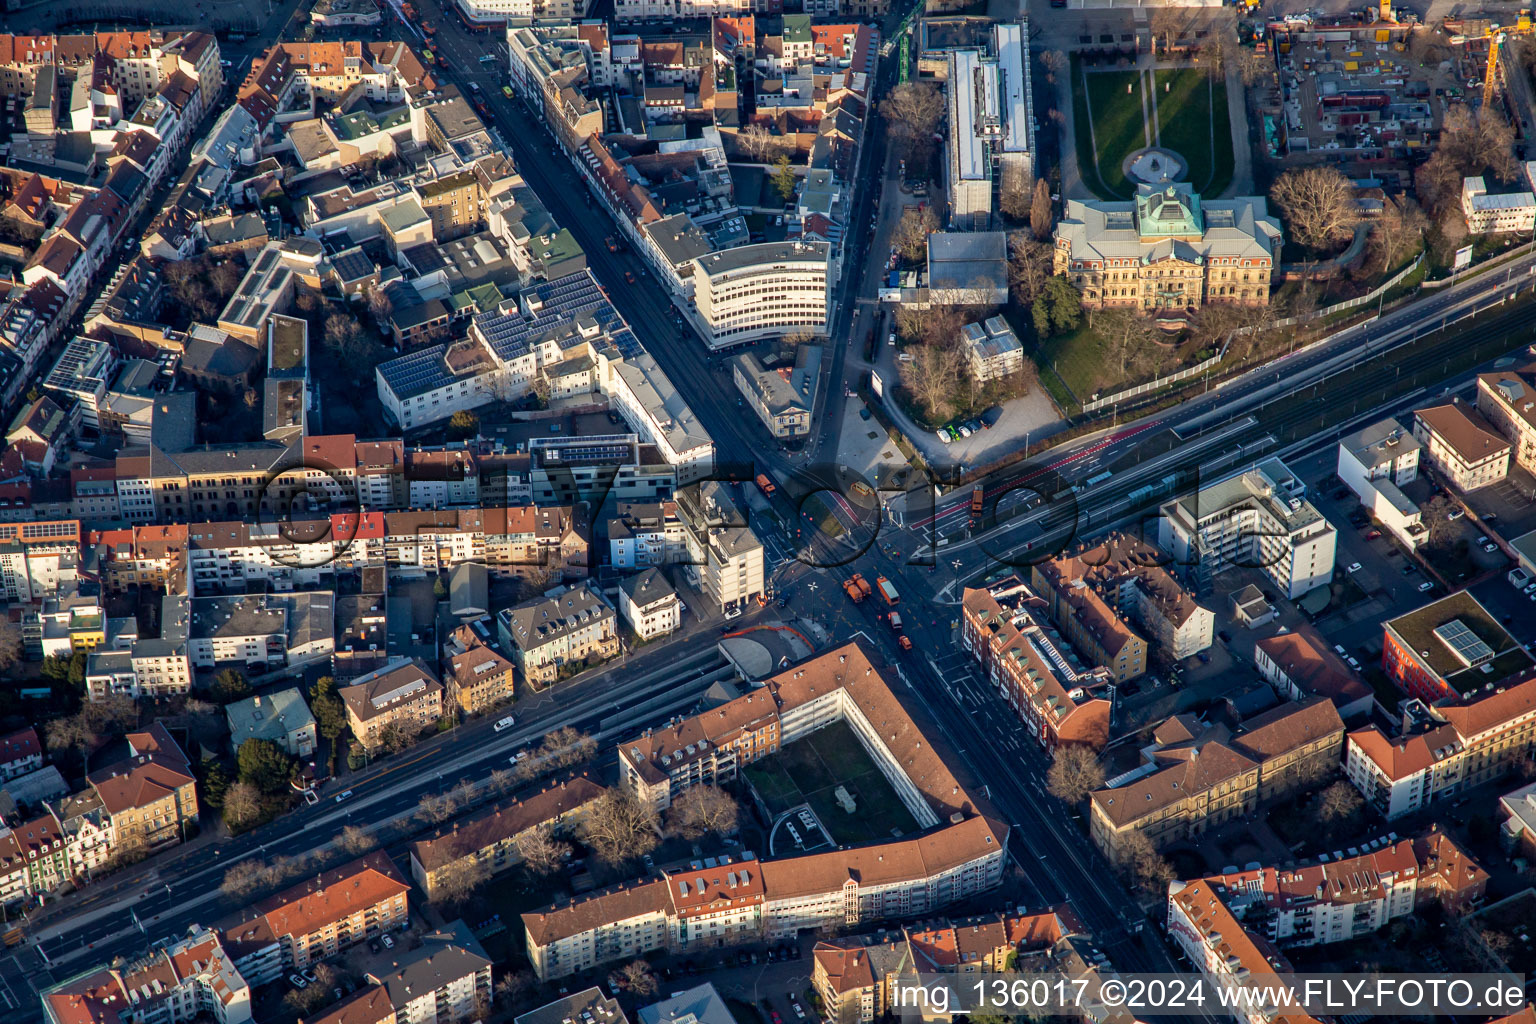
1463, 642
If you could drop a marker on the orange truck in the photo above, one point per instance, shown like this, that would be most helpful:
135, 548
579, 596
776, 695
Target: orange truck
978, 496
857, 588
887, 591
765, 485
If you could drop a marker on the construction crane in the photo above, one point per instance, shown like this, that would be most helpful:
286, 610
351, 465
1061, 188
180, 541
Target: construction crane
1496, 36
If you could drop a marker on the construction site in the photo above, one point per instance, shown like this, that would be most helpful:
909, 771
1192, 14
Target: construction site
1371, 89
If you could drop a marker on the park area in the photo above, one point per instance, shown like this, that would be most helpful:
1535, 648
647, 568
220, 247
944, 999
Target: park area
809, 770
1118, 112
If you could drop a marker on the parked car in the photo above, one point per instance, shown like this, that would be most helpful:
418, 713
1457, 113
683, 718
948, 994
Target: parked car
1426, 586
297, 981
1373, 535
389, 942
1490, 547
943, 434
1353, 567
1455, 514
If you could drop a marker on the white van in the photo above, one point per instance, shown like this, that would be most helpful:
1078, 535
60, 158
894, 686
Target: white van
505, 723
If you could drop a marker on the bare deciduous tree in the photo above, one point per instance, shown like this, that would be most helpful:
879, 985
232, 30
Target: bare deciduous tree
1144, 866
243, 878
701, 810
1318, 204
454, 883
618, 827
1397, 232
1014, 190
910, 236
510, 986
242, 805
542, 851
1338, 802
635, 976
1075, 772
1055, 63
435, 808
932, 376
757, 142
355, 840
1029, 266
1041, 216
379, 305
1126, 334
914, 111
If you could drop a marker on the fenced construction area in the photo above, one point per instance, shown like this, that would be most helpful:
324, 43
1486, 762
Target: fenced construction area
809, 771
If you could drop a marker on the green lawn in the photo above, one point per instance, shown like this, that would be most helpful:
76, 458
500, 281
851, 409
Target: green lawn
1119, 128
1192, 115
809, 771
1078, 359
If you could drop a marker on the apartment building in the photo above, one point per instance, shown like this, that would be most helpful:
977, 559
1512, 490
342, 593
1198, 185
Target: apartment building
21, 753
181, 981
490, 836
1058, 700
404, 696
318, 918
1450, 649
1239, 921
1205, 930
440, 981
479, 678
1255, 519
281, 718
992, 350
782, 397
1196, 776
35, 556
529, 538
256, 632
368, 1005
839, 685
1507, 400
1129, 577
1496, 214
1337, 900
1301, 666
556, 635
723, 551
1462, 446
150, 796
1441, 751
1091, 625
650, 604
1377, 462
762, 291
646, 534
854, 974
568, 470
1168, 248
34, 860
746, 900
